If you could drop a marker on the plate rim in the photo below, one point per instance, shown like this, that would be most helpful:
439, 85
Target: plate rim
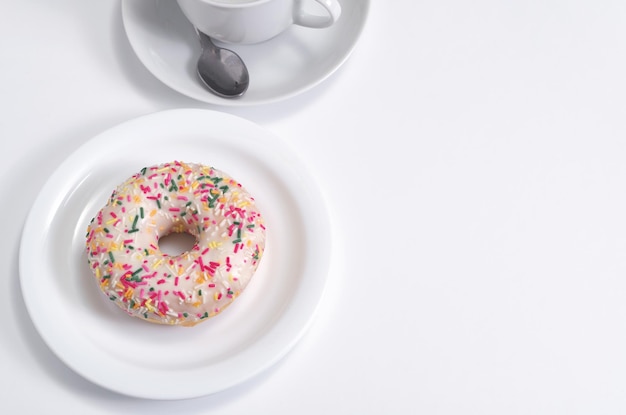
126, 5
34, 221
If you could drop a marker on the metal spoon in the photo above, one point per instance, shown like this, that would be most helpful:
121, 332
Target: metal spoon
221, 70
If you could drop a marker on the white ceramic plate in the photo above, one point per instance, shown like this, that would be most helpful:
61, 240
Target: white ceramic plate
287, 65
128, 355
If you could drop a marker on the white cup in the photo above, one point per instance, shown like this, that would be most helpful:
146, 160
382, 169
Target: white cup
254, 21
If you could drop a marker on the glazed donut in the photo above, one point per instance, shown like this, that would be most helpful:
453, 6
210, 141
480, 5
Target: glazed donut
122, 243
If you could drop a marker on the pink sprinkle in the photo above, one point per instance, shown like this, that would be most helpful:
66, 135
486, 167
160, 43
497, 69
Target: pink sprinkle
161, 282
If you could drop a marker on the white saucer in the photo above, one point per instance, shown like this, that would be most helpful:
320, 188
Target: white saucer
287, 65
124, 354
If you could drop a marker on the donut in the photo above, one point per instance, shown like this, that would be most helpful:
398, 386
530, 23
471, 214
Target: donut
122, 243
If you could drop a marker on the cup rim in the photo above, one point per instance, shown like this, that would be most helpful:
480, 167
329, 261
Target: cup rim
224, 4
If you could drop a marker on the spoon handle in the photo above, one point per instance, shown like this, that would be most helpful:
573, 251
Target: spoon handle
205, 40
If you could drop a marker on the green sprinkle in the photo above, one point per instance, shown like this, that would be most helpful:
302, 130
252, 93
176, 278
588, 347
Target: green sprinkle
145, 315
200, 293
112, 298
135, 222
133, 230
106, 230
111, 257
185, 315
141, 212
158, 203
143, 171
205, 315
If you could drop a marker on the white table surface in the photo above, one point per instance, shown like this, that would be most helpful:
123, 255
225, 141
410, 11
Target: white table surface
473, 154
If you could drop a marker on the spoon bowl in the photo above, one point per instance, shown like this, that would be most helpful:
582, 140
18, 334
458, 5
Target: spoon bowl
221, 70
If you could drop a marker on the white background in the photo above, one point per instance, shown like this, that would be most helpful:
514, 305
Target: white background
473, 154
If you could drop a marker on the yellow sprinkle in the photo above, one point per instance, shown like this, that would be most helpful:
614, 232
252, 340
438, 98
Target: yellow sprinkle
197, 304
158, 263
153, 212
110, 221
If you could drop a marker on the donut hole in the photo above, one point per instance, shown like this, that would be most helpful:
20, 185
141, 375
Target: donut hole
177, 243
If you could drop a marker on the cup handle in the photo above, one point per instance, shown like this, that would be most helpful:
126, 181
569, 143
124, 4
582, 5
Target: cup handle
303, 18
